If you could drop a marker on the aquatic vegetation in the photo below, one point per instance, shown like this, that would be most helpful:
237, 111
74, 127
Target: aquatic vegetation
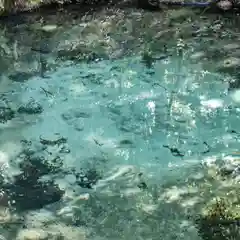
220, 221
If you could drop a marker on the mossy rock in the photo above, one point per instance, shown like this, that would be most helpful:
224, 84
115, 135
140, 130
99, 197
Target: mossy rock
220, 221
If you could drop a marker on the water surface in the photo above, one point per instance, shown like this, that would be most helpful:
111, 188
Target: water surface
118, 115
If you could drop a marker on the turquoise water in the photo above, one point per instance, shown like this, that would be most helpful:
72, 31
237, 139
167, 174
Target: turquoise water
111, 101
117, 113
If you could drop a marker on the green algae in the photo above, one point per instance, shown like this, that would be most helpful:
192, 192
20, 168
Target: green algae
220, 220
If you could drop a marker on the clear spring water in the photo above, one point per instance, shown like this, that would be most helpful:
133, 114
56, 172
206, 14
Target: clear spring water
97, 105
176, 104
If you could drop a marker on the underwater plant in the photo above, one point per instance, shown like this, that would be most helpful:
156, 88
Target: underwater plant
219, 221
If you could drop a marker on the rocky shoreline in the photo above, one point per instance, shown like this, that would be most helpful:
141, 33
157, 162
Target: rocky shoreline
17, 6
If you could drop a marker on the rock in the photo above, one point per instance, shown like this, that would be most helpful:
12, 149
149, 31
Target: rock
230, 168
22, 76
39, 219
32, 234
53, 140
57, 231
225, 5
80, 54
227, 170
219, 221
6, 114
6, 216
126, 143
32, 107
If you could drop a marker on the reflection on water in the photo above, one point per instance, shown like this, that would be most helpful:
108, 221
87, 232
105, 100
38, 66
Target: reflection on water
124, 143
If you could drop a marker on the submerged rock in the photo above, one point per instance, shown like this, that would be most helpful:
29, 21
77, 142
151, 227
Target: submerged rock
59, 231
31, 196
22, 76
32, 234
219, 221
75, 113
54, 141
27, 189
39, 218
66, 232
225, 5
6, 114
32, 107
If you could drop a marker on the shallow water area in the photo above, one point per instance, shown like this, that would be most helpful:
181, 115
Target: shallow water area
130, 140
101, 105
149, 119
